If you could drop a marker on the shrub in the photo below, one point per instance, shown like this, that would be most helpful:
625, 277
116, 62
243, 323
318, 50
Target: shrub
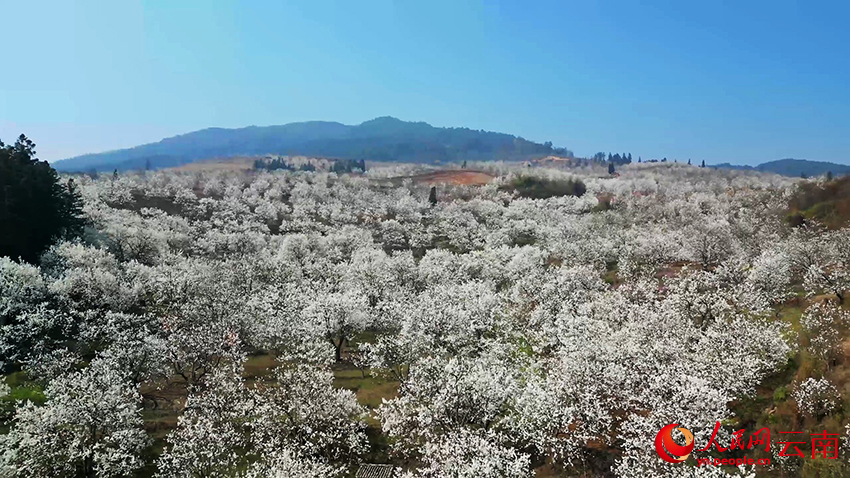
827, 203
532, 187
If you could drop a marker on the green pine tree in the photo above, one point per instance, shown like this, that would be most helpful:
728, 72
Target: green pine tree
36, 209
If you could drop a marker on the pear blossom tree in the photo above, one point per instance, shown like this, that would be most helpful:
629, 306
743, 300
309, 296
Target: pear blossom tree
816, 396
300, 424
91, 425
823, 324
513, 332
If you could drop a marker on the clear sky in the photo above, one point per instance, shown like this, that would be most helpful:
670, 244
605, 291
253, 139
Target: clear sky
738, 81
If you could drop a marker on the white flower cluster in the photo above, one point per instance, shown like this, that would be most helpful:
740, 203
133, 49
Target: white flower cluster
816, 396
823, 324
518, 331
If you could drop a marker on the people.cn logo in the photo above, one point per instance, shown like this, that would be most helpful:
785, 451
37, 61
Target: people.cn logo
664, 443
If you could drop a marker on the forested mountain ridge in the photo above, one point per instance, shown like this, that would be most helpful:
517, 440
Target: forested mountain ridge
380, 139
793, 167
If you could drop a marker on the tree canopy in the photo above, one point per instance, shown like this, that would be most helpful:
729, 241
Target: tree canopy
35, 207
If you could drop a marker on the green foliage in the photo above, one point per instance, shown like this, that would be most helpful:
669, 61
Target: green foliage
824, 468
795, 219
17, 379
27, 392
780, 394
35, 207
541, 188
613, 159
278, 163
604, 205
348, 165
827, 203
272, 165
21, 389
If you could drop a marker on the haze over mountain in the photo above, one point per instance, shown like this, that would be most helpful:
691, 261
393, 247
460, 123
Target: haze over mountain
380, 139
793, 167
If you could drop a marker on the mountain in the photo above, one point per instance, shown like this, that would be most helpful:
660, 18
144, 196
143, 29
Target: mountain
797, 167
793, 167
380, 139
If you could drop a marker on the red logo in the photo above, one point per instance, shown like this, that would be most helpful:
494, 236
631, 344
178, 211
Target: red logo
664, 439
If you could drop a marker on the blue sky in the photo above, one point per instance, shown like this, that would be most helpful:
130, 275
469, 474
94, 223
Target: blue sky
744, 82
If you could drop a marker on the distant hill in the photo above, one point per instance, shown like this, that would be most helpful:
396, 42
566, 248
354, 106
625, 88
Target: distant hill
794, 167
380, 139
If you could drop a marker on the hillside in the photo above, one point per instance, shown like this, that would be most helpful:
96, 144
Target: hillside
827, 203
797, 167
380, 139
366, 304
793, 167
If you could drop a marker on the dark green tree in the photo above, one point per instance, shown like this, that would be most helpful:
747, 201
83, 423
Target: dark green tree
36, 209
829, 175
703, 164
610, 168
432, 196
463, 166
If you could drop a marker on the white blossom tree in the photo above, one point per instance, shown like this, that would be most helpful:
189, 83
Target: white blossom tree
91, 425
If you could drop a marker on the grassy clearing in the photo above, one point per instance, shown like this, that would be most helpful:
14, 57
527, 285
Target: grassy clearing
259, 366
371, 390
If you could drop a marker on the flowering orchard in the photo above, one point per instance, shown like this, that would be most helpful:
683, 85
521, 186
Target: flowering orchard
495, 335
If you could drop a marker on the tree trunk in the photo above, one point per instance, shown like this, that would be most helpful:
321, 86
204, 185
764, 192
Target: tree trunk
339, 349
